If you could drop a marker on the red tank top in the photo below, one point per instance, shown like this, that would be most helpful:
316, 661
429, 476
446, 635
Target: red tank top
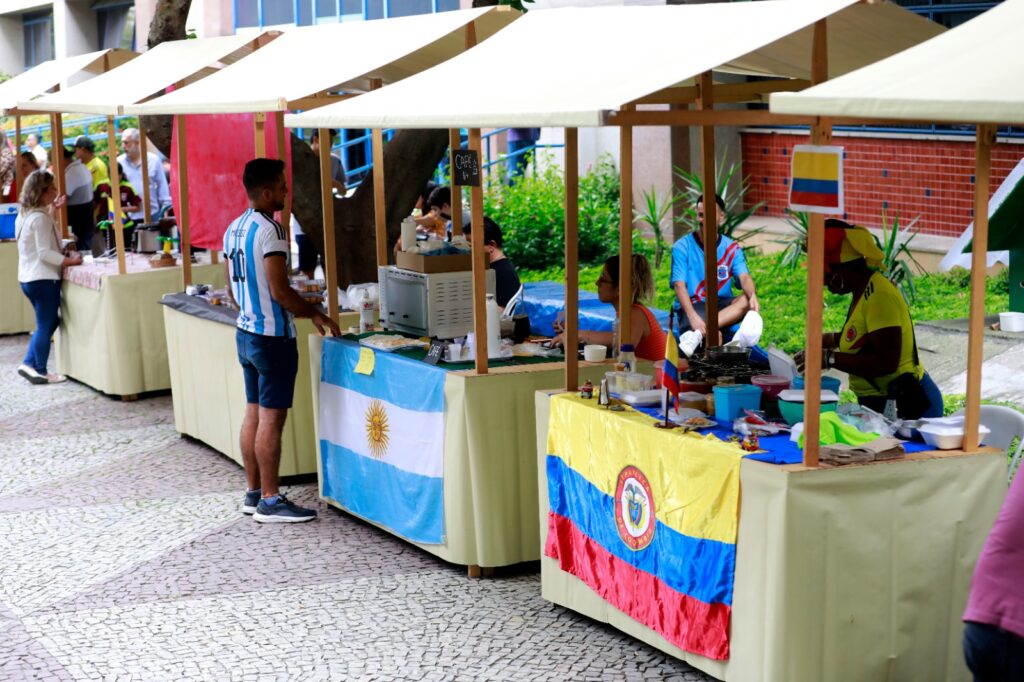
652, 345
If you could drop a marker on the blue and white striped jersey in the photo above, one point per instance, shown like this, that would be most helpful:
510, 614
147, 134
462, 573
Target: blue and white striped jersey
249, 239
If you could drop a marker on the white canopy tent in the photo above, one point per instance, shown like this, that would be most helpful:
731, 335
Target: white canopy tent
600, 63
971, 74
54, 74
596, 60
168, 64
307, 67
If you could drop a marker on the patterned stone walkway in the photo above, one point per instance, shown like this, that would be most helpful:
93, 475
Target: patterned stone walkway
123, 557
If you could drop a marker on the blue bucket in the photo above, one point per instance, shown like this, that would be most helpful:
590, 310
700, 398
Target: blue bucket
8, 214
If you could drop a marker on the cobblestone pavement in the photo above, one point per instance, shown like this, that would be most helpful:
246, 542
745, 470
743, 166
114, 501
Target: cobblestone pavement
123, 557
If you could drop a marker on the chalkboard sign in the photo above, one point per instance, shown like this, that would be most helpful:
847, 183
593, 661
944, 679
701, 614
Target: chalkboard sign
465, 167
436, 352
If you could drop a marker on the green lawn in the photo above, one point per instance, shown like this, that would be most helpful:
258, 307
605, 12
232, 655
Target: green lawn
783, 296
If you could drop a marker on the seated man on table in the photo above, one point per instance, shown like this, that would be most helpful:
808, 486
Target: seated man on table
256, 267
688, 278
506, 279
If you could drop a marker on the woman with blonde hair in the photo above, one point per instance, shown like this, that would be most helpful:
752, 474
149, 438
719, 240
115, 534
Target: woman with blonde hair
40, 260
646, 335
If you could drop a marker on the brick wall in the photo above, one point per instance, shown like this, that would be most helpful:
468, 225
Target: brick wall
933, 179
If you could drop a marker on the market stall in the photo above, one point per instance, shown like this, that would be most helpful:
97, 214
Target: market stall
16, 314
364, 55
111, 334
667, 48
478, 507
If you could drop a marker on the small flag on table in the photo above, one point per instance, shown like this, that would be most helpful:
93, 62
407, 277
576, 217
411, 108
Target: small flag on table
817, 182
670, 372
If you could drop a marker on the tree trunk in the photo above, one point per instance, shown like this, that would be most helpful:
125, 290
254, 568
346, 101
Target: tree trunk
168, 23
410, 159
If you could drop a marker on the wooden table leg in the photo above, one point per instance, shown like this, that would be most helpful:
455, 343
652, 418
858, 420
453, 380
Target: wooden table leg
473, 571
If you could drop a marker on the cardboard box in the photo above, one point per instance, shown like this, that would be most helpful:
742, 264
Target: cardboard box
417, 262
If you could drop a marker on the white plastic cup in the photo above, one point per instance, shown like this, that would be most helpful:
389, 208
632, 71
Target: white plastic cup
408, 234
595, 353
454, 352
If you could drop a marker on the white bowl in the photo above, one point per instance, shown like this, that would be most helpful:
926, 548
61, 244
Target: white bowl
595, 353
1011, 322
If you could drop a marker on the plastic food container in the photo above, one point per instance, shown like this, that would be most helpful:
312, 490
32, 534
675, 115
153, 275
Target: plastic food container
595, 353
635, 381
1011, 322
730, 401
616, 381
771, 384
791, 404
827, 384
947, 434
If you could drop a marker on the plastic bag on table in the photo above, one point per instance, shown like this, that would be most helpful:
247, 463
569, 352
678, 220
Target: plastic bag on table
867, 420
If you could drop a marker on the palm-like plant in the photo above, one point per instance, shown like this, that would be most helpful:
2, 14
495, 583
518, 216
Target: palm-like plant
656, 210
898, 262
796, 242
735, 214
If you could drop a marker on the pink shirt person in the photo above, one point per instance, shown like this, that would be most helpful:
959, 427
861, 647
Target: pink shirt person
997, 588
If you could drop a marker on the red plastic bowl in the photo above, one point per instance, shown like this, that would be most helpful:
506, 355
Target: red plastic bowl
771, 384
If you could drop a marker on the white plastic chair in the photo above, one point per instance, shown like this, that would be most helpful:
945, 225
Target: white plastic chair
1006, 424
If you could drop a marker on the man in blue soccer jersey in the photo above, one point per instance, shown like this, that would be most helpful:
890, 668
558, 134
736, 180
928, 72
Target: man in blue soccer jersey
689, 283
256, 260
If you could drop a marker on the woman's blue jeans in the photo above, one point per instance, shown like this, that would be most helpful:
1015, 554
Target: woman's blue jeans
45, 297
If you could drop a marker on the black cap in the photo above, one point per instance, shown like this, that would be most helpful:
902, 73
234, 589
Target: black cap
85, 142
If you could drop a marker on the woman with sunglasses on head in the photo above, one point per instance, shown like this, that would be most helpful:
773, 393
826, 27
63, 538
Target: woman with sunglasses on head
40, 260
646, 335
876, 345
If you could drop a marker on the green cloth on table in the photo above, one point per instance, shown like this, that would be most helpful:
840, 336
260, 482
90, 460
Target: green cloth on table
835, 430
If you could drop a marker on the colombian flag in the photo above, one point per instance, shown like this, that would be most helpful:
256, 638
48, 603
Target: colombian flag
647, 518
670, 372
817, 184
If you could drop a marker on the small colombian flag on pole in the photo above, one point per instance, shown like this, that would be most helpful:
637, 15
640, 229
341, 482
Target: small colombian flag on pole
670, 372
817, 183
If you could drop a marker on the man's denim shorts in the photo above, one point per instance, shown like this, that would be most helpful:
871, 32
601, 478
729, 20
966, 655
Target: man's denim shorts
269, 364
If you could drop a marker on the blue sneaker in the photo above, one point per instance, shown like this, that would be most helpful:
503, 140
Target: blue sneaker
252, 499
282, 511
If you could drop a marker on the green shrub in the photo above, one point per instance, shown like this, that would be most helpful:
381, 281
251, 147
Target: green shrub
531, 214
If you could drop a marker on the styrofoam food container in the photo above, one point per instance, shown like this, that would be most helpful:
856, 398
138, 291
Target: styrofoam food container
794, 395
1011, 322
595, 353
947, 436
650, 397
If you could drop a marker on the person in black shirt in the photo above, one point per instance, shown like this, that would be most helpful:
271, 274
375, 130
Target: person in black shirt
506, 279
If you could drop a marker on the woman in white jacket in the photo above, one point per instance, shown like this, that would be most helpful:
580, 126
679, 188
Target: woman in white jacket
40, 260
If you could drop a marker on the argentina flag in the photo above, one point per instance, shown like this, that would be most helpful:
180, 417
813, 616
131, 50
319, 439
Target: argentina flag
382, 440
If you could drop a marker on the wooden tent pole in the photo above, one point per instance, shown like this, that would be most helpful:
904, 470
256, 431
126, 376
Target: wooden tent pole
379, 209
455, 142
985, 138
147, 198
57, 134
184, 244
572, 269
625, 235
327, 198
706, 102
259, 124
18, 179
821, 134
115, 195
282, 154
480, 264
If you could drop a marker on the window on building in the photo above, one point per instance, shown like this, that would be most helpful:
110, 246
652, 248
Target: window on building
374, 9
38, 38
447, 5
278, 12
305, 8
326, 8
406, 8
115, 24
247, 13
949, 13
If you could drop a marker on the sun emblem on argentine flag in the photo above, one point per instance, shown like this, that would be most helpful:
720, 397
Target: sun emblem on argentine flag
377, 428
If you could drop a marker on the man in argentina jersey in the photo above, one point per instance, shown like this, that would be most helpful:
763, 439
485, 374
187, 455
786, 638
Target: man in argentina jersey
256, 262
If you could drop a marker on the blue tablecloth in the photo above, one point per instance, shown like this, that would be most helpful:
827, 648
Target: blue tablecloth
544, 300
778, 449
